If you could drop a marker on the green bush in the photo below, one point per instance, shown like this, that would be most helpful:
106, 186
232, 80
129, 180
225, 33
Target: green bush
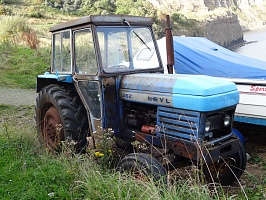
36, 15
180, 18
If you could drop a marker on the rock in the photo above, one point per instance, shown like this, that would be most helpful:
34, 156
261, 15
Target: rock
224, 30
248, 157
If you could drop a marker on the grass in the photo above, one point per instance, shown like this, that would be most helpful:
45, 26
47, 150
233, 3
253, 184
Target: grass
26, 171
29, 172
19, 65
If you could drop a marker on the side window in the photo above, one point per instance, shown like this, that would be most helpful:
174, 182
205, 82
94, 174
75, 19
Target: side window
85, 59
61, 52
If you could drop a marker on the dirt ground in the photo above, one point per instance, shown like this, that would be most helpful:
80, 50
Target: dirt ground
17, 97
254, 177
256, 148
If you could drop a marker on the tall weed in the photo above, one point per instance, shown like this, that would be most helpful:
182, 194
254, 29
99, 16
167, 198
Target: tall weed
31, 39
16, 29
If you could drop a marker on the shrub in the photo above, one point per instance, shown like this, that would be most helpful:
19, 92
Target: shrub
15, 29
4, 10
31, 39
34, 11
36, 15
9, 2
11, 26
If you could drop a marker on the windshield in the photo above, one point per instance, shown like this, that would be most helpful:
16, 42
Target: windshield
126, 48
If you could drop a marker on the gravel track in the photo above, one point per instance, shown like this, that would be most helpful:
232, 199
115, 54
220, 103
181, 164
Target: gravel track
17, 97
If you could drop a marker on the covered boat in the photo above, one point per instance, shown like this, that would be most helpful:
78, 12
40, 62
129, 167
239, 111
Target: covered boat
198, 55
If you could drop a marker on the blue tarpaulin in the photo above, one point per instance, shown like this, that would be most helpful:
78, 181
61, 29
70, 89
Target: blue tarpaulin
198, 55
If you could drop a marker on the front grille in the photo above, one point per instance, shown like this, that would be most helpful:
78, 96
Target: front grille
178, 123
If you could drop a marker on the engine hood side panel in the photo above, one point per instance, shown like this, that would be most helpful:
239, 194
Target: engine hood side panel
199, 93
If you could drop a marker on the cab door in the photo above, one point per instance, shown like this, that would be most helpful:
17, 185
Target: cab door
86, 78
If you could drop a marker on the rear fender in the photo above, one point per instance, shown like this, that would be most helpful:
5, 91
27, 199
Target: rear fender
47, 79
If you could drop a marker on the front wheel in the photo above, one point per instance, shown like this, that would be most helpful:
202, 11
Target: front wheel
60, 116
227, 170
143, 166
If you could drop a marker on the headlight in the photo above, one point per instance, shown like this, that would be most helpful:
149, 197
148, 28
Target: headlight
227, 120
207, 126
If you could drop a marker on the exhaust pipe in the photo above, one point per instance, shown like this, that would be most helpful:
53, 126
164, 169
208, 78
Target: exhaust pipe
169, 46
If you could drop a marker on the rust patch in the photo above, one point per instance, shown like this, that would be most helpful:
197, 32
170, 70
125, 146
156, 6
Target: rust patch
183, 149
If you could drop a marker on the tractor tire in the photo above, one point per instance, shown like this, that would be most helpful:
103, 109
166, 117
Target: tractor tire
61, 116
227, 170
143, 166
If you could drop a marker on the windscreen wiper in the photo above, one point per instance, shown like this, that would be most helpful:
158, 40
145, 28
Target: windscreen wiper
127, 23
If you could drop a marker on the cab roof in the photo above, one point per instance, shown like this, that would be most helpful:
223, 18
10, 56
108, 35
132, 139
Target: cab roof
110, 20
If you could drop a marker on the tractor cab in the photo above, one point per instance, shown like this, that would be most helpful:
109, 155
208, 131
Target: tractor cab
94, 52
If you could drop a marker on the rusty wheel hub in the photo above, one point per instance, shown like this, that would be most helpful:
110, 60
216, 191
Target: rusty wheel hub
221, 167
52, 129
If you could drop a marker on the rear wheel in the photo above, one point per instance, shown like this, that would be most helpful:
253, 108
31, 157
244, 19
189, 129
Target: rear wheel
60, 116
142, 167
227, 170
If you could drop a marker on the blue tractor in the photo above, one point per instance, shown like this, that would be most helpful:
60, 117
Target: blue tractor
99, 80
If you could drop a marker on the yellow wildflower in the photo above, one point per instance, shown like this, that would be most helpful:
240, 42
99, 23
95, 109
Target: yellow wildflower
97, 153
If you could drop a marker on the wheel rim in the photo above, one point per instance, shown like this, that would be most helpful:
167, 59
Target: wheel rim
142, 167
223, 167
139, 174
52, 129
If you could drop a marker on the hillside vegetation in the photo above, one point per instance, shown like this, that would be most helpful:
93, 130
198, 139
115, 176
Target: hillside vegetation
25, 37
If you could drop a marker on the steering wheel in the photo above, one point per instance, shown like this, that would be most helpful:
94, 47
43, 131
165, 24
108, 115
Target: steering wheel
118, 67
